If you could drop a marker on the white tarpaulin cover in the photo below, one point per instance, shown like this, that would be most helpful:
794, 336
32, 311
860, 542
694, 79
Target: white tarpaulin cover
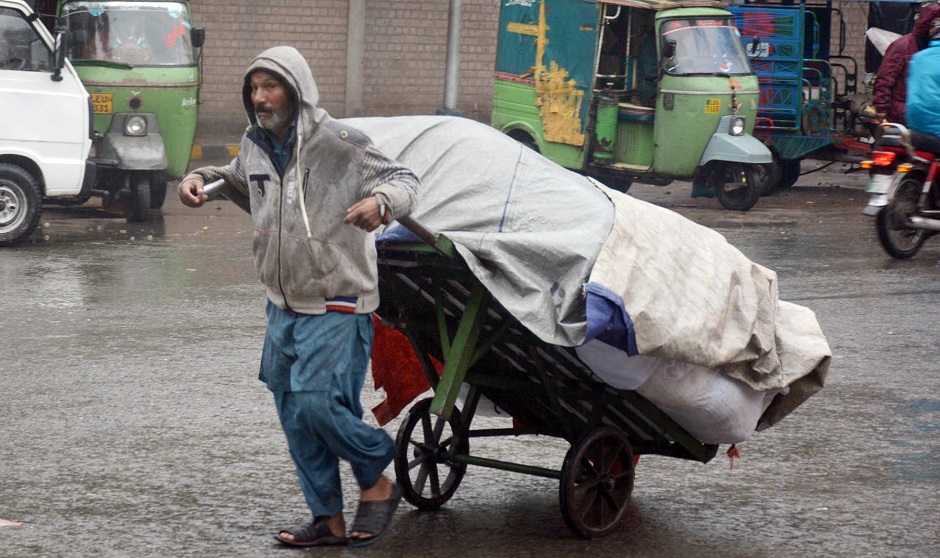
584, 266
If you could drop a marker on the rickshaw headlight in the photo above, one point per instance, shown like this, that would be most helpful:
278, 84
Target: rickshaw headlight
135, 126
737, 126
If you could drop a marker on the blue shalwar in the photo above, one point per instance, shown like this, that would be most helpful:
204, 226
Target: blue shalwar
316, 365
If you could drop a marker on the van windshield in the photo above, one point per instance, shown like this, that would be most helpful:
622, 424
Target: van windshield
704, 46
135, 33
21, 48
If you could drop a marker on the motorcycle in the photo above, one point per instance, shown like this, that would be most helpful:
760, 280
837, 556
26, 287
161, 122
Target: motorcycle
905, 198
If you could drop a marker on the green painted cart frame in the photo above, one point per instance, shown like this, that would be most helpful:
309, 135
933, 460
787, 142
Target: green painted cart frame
430, 295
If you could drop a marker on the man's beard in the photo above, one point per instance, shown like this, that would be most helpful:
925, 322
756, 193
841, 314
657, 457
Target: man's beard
274, 120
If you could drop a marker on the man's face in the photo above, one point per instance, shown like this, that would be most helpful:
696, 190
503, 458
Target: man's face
272, 101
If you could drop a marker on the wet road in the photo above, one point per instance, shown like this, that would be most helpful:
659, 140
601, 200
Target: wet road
133, 425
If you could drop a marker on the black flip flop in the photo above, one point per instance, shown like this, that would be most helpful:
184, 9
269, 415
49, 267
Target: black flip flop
374, 517
313, 533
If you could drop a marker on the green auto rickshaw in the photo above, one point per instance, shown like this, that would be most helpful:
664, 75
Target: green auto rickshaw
139, 61
633, 90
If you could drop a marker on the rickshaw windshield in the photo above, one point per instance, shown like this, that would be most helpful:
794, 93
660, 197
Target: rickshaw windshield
704, 46
135, 33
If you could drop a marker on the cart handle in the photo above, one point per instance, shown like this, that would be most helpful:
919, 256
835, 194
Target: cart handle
418, 229
218, 188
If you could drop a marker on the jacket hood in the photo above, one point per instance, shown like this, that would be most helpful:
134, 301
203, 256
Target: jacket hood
292, 67
922, 28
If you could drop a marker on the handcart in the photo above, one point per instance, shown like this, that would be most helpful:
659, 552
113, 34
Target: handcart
431, 296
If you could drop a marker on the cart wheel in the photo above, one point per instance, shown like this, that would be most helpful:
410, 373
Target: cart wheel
423, 466
596, 482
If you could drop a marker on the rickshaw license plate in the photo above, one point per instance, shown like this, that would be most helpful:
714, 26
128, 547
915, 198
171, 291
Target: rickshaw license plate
102, 103
712, 106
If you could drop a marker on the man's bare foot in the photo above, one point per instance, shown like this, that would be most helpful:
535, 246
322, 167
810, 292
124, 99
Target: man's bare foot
336, 523
382, 490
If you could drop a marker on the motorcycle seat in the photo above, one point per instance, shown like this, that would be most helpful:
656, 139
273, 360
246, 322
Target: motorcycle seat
925, 142
891, 140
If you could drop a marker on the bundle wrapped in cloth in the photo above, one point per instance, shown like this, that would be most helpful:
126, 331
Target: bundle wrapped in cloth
651, 301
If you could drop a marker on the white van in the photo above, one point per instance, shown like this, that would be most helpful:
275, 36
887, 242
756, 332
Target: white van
45, 124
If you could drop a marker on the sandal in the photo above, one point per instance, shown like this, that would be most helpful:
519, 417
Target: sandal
374, 517
313, 533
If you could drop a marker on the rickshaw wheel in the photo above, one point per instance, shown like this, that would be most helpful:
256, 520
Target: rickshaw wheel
137, 200
789, 172
736, 185
157, 190
596, 482
769, 176
424, 466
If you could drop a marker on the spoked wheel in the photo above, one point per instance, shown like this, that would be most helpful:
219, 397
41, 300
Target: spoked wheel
596, 482
137, 200
737, 186
896, 236
424, 468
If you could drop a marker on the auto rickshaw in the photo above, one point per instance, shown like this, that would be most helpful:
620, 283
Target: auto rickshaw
633, 90
811, 105
139, 60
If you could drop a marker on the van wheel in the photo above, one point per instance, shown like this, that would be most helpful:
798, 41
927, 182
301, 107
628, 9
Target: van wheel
737, 186
137, 201
20, 204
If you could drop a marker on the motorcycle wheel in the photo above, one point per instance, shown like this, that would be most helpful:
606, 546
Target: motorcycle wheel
736, 185
137, 200
897, 238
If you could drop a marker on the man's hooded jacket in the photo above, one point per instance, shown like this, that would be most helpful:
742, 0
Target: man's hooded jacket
890, 93
307, 258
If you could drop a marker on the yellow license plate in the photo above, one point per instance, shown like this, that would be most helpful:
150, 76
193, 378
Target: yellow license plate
712, 106
103, 103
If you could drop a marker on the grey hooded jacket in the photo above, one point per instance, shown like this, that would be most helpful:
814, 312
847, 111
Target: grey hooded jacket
306, 257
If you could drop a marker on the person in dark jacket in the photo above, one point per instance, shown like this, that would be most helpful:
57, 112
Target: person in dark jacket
316, 189
890, 95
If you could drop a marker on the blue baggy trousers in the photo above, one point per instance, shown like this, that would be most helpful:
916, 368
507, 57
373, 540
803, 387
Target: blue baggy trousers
316, 365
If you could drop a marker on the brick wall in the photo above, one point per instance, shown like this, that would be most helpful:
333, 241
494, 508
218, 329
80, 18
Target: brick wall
404, 55
855, 18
